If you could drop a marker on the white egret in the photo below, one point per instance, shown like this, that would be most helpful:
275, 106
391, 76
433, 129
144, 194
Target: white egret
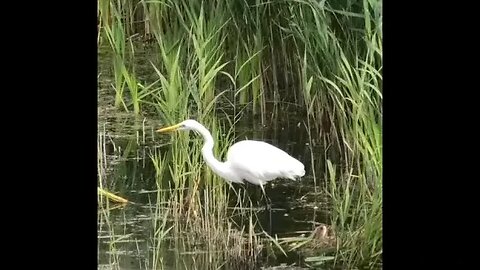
254, 161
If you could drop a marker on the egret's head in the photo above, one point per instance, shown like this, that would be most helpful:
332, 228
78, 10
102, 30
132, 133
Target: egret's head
185, 125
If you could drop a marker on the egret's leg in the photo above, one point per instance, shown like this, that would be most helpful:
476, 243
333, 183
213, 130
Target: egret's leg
268, 209
267, 200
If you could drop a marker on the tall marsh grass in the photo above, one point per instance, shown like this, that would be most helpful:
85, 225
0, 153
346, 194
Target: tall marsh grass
209, 58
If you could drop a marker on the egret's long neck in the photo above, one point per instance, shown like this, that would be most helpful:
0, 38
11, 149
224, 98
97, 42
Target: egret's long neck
217, 166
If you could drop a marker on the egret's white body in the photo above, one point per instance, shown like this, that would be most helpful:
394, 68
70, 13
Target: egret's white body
254, 161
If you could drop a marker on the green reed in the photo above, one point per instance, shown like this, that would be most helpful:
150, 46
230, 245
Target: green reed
197, 199
345, 98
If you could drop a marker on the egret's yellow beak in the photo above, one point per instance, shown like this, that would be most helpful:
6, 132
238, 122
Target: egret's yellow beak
170, 128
